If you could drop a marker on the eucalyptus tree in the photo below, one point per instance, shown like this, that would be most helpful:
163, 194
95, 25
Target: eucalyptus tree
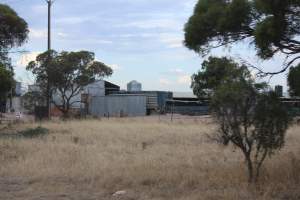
67, 73
13, 33
271, 26
249, 117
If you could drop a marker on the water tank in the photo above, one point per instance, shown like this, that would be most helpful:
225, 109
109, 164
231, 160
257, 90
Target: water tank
134, 86
18, 89
279, 90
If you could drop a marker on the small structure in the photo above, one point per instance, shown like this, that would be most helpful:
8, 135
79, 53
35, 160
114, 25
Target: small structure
2, 106
134, 86
279, 90
14, 101
34, 88
188, 106
292, 104
157, 101
18, 89
15, 104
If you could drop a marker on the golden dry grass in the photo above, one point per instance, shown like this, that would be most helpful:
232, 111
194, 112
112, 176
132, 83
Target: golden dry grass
148, 158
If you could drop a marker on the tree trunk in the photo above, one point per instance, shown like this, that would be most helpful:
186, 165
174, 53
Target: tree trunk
257, 173
65, 114
250, 168
259, 165
66, 110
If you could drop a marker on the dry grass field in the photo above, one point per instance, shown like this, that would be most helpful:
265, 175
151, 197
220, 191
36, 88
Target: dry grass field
146, 158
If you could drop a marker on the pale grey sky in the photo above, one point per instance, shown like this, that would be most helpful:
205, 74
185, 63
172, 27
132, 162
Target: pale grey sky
140, 39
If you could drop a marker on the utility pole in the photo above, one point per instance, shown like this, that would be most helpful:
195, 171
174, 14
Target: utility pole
49, 2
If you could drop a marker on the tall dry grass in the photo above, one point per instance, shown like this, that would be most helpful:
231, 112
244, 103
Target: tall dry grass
147, 158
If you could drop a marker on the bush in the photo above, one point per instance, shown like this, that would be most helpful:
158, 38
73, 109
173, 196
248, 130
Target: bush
34, 132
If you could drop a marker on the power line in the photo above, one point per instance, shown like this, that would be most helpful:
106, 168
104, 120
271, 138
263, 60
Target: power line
16, 52
12, 1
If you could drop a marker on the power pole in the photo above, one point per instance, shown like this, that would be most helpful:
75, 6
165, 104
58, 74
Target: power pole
49, 2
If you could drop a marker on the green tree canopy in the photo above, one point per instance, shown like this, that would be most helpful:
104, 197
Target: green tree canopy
6, 82
13, 30
249, 116
252, 121
13, 33
215, 72
67, 73
294, 81
272, 26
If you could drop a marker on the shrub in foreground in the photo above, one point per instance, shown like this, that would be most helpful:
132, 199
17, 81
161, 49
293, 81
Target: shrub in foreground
250, 117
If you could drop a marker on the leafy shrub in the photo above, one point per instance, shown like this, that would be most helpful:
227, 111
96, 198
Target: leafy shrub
34, 132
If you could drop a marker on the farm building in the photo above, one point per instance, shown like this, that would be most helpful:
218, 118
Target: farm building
13, 103
103, 98
293, 104
106, 100
98, 88
188, 106
122, 105
78, 102
195, 106
133, 102
155, 100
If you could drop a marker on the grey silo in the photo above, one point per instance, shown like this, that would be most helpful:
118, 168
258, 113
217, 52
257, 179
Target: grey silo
134, 86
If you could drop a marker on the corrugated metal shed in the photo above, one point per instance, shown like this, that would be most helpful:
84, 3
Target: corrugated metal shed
156, 100
118, 105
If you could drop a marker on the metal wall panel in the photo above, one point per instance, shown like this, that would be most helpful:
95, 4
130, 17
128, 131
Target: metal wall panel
118, 106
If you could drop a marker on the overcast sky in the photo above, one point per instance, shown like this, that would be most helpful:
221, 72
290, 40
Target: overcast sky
140, 39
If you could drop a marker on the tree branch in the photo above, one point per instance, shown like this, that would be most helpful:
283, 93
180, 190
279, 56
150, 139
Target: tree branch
262, 73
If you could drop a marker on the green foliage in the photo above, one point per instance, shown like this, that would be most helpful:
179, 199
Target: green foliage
254, 122
294, 81
249, 117
13, 30
6, 82
67, 73
32, 99
271, 120
215, 72
77, 69
271, 25
219, 21
42, 69
29, 133
34, 132
13, 33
